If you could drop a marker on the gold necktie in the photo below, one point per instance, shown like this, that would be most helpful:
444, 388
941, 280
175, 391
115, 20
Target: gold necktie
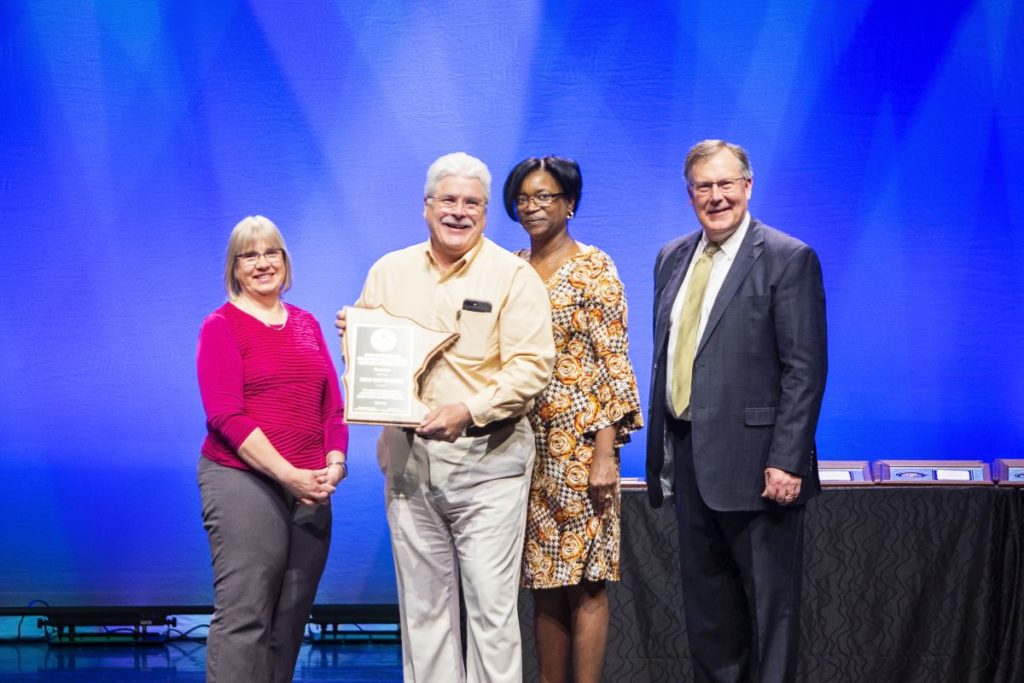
689, 320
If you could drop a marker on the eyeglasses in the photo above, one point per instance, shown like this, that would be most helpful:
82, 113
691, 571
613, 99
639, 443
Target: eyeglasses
727, 185
251, 258
471, 205
541, 199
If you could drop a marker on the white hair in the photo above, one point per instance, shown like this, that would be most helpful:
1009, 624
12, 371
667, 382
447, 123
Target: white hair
461, 165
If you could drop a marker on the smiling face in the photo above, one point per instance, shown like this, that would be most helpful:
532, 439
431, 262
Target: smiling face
720, 213
262, 278
542, 222
456, 214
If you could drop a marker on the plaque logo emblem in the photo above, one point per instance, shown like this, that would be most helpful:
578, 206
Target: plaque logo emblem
383, 340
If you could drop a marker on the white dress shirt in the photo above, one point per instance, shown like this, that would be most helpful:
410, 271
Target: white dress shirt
721, 262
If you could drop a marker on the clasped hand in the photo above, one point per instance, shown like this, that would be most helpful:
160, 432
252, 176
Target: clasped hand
313, 487
780, 486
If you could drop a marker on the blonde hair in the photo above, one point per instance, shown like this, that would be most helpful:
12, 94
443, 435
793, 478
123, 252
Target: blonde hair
250, 230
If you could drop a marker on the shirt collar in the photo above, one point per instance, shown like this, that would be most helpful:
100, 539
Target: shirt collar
459, 265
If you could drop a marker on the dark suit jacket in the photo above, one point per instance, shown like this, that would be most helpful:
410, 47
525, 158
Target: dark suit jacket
758, 374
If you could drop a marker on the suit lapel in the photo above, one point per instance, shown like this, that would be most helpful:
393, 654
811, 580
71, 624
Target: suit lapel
750, 251
674, 270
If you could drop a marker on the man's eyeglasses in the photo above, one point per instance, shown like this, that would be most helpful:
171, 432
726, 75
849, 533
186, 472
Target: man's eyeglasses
726, 186
251, 258
541, 199
471, 205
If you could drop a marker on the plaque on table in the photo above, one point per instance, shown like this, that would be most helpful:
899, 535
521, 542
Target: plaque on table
845, 473
933, 472
385, 356
1008, 471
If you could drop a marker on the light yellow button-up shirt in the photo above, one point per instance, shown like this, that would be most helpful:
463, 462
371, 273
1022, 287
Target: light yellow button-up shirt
504, 356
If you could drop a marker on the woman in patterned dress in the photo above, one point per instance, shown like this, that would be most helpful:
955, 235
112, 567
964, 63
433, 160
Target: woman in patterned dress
586, 413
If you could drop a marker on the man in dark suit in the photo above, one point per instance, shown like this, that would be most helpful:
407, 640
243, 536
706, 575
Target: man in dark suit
738, 376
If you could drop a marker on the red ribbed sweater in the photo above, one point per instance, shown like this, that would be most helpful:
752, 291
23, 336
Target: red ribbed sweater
280, 380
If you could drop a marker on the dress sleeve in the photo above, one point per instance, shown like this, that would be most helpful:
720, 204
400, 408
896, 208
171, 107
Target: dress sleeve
333, 406
221, 381
615, 388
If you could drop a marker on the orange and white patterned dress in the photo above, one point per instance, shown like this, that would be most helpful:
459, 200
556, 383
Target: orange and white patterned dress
593, 387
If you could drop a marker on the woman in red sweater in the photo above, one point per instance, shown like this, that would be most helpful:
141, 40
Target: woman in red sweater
273, 455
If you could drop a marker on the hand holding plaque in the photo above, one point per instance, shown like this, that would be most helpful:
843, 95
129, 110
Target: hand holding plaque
384, 358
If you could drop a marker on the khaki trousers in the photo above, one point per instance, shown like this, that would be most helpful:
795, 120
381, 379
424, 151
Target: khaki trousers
457, 513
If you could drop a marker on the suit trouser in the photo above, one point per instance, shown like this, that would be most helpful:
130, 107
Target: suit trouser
741, 581
266, 567
458, 511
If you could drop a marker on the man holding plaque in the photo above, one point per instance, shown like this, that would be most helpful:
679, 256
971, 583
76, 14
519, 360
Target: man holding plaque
738, 378
457, 483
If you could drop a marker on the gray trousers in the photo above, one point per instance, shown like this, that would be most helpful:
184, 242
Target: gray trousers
457, 513
266, 567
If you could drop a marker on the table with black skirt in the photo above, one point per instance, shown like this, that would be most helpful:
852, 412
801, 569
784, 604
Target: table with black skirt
921, 583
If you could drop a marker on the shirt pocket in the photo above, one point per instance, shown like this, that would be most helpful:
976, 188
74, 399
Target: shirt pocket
476, 334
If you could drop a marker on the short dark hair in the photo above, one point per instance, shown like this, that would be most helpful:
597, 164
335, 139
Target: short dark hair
566, 173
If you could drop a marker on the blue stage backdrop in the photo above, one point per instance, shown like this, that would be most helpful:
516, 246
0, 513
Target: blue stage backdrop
134, 135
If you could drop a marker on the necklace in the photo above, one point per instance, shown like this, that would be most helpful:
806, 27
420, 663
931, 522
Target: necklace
280, 325
276, 326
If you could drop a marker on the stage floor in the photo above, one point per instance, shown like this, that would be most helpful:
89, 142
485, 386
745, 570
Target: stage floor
184, 662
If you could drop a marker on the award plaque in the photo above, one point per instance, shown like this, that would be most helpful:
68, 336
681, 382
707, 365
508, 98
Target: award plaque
845, 473
385, 355
1008, 471
632, 484
945, 472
